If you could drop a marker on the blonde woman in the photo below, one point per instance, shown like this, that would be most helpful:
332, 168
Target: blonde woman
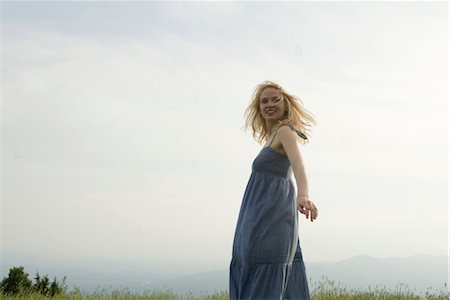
267, 260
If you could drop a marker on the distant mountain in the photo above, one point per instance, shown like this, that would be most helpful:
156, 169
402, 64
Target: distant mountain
418, 272
415, 273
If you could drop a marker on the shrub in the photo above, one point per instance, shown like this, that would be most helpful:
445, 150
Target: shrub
17, 283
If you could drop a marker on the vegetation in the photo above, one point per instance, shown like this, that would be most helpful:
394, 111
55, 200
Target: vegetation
17, 286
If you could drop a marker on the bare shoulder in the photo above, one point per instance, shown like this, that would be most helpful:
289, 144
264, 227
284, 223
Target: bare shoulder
285, 139
286, 130
286, 135
289, 130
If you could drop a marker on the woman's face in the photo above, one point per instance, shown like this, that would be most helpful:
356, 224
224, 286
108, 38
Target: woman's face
271, 104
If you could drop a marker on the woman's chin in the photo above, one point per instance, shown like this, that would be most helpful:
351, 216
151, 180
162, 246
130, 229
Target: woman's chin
272, 118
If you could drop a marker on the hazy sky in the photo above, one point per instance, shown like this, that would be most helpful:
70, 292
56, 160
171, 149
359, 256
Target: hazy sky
123, 135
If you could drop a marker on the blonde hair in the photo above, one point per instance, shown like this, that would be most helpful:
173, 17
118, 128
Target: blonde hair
297, 116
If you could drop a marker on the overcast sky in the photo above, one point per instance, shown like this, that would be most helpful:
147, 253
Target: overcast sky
123, 137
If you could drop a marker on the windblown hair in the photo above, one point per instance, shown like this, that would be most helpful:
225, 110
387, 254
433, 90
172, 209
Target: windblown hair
297, 116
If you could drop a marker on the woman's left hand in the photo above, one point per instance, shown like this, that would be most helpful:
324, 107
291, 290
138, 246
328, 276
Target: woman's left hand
307, 207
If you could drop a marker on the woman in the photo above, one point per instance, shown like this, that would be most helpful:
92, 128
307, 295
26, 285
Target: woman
267, 261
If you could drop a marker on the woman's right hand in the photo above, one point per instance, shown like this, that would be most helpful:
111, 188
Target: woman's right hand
307, 207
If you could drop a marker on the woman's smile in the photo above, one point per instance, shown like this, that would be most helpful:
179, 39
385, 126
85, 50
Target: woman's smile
272, 104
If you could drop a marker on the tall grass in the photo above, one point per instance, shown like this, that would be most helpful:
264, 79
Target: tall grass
324, 289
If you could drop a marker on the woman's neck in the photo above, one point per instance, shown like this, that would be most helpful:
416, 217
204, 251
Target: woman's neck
270, 127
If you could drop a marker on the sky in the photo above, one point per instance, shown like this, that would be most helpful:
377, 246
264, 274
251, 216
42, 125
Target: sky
123, 134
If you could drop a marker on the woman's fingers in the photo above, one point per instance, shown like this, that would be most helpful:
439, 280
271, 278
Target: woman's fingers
309, 210
301, 209
315, 212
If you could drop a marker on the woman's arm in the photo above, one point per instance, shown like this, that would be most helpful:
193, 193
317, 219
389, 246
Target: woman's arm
288, 140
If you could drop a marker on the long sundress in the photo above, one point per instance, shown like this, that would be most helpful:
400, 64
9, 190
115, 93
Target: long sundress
267, 261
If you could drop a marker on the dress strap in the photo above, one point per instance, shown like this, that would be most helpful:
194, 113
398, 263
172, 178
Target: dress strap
272, 139
300, 134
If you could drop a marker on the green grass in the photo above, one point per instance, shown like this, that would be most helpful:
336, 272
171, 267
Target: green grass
325, 289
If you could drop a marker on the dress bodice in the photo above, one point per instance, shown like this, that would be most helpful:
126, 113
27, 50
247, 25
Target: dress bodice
272, 162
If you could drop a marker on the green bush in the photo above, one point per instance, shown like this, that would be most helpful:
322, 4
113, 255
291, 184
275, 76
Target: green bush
44, 287
18, 284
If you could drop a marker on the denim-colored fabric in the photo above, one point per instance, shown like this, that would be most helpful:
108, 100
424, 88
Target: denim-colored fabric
267, 260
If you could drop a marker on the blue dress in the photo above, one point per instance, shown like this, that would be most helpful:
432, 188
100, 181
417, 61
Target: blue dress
267, 260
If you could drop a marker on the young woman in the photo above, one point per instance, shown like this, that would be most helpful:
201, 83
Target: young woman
267, 260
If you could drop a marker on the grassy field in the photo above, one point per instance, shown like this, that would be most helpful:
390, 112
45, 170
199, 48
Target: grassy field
325, 289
